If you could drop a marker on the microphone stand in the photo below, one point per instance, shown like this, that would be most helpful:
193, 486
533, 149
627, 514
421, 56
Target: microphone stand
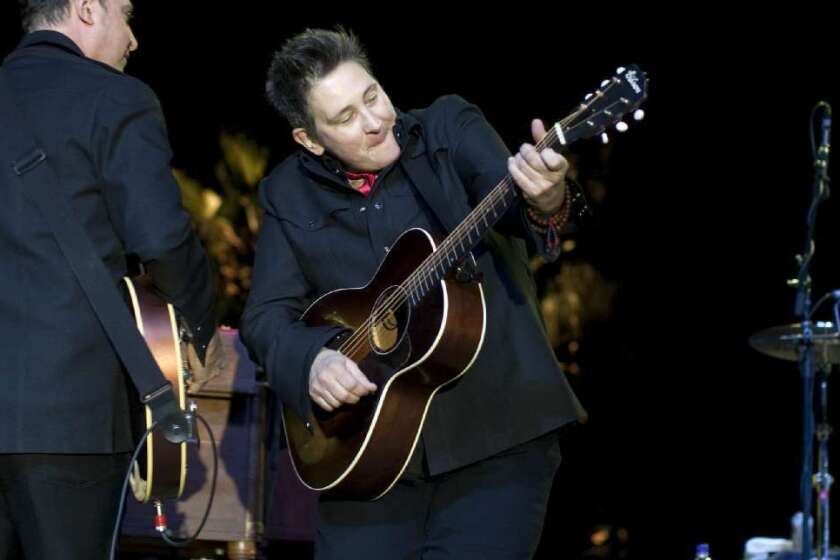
802, 310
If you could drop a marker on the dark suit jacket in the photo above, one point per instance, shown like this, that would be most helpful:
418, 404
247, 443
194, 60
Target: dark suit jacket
62, 388
515, 390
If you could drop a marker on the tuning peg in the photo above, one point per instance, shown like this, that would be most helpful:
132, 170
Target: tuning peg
621, 126
639, 114
605, 83
604, 138
588, 96
620, 70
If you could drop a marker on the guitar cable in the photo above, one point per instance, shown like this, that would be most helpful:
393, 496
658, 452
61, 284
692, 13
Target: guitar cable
837, 316
118, 522
160, 520
833, 294
165, 533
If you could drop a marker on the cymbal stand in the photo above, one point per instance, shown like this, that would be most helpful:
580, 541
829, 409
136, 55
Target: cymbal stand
803, 312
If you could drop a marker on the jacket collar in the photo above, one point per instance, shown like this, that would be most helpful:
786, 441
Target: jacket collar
52, 38
56, 40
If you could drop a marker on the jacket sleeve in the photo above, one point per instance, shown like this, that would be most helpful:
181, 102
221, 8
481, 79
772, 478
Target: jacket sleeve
144, 203
271, 327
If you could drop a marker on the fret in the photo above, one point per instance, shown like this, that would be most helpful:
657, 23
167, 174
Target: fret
459, 242
442, 272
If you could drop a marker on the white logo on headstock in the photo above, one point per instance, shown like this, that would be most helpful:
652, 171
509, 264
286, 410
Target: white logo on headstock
633, 80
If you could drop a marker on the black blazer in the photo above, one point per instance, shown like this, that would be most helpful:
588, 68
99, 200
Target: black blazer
62, 388
515, 390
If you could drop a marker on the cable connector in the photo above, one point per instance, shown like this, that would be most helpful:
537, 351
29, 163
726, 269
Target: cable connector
160, 518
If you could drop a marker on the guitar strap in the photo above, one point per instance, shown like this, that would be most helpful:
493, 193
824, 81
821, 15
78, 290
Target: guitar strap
31, 170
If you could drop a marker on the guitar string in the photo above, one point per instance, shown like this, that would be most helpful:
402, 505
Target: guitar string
424, 274
419, 276
425, 271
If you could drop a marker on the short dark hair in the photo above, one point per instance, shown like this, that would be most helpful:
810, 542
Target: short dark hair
303, 60
38, 13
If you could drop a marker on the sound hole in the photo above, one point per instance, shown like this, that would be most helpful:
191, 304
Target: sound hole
389, 320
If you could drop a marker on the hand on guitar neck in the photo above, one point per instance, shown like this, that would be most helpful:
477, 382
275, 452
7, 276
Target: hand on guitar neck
335, 379
540, 175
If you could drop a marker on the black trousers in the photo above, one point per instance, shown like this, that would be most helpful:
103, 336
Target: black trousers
58, 506
492, 509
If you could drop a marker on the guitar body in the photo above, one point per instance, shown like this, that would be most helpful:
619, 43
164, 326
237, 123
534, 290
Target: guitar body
161, 471
409, 349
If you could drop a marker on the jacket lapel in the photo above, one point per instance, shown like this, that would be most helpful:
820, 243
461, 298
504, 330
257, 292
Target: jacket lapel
418, 168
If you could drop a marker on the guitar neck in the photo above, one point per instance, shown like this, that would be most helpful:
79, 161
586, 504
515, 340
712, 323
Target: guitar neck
462, 240
603, 108
457, 245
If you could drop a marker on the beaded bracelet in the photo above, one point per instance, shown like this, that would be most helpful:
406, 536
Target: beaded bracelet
550, 225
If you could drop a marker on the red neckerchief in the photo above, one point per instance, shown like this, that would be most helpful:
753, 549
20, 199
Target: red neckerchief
367, 181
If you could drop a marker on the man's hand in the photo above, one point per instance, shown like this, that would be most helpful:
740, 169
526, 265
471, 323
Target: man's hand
541, 176
215, 362
335, 379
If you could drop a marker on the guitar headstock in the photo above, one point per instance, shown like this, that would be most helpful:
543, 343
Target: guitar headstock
606, 107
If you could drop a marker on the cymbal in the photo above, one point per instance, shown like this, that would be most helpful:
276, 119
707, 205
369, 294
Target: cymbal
785, 341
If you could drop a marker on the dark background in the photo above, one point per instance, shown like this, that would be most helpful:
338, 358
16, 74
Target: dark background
693, 437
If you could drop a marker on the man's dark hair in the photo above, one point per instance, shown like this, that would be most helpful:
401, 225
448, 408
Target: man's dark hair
39, 13
301, 62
